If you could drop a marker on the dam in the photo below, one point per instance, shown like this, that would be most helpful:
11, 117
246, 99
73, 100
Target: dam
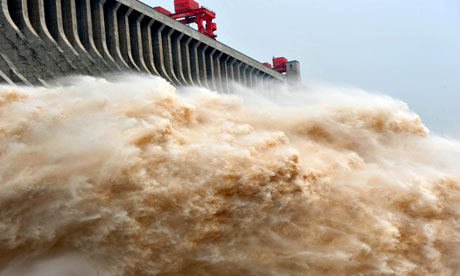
42, 40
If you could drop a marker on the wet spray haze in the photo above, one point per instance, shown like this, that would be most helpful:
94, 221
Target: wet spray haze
131, 177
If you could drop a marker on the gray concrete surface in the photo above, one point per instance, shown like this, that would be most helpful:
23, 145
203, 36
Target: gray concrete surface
41, 40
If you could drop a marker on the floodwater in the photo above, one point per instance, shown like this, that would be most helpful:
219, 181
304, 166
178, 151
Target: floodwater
130, 177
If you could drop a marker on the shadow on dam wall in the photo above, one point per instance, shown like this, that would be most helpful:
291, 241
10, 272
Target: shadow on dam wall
41, 40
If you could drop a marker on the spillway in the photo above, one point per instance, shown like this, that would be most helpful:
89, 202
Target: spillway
41, 40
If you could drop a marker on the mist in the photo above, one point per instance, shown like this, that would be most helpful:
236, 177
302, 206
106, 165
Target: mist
135, 177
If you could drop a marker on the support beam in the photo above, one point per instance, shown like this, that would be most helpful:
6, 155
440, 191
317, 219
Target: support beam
85, 33
135, 33
177, 57
123, 15
218, 72
202, 65
251, 77
147, 45
186, 61
99, 33
113, 40
194, 62
168, 55
210, 68
226, 74
158, 50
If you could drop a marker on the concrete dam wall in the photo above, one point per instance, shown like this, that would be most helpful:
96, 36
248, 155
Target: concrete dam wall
41, 40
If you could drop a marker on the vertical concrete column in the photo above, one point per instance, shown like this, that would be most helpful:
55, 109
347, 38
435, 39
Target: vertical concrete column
258, 78
194, 62
48, 13
168, 54
33, 10
233, 70
218, 72
255, 78
202, 63
177, 56
42, 60
262, 80
209, 56
147, 43
113, 41
123, 14
81, 25
185, 50
248, 76
240, 71
83, 62
99, 33
136, 40
226, 74
267, 80
244, 74
52, 55
66, 64
16, 48
51, 25
251, 77
70, 24
85, 33
158, 51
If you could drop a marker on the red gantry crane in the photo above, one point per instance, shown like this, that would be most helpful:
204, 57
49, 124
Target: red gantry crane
189, 11
279, 64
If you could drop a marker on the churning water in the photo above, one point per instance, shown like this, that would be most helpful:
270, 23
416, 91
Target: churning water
131, 177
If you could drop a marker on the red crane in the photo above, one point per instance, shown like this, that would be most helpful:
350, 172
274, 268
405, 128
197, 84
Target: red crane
189, 11
279, 64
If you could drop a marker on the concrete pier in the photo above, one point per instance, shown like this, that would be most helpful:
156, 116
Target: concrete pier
41, 40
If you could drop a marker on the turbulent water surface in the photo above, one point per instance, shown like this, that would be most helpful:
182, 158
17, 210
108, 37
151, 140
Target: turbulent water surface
131, 177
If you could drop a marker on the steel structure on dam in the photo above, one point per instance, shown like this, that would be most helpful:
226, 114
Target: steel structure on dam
41, 40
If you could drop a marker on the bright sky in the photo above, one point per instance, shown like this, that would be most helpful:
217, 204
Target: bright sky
408, 49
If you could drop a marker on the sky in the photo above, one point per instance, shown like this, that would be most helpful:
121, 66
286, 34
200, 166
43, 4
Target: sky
408, 49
